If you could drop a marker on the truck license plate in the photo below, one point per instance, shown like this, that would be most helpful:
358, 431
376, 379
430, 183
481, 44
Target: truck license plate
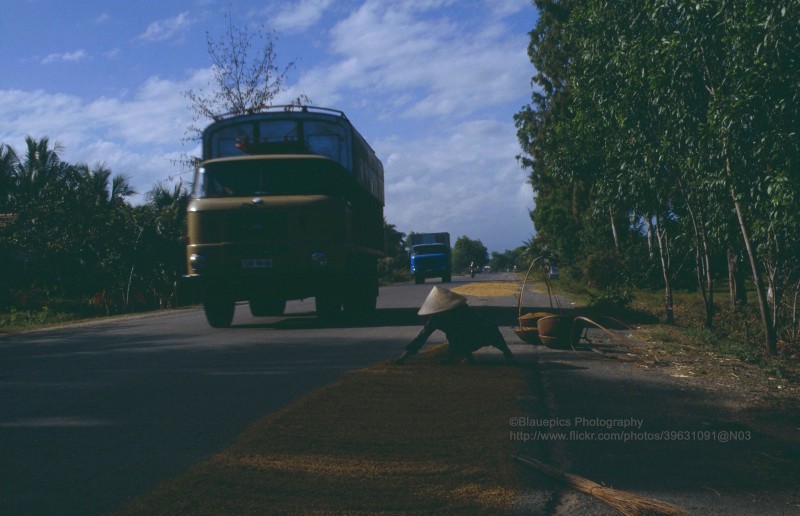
258, 263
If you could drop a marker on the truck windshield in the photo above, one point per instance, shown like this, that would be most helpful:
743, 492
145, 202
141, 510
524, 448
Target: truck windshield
430, 249
269, 177
282, 136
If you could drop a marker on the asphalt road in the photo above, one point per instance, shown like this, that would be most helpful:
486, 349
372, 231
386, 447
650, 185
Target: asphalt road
92, 415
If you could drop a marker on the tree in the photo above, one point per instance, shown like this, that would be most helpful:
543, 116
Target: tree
40, 208
8, 162
681, 114
161, 255
98, 242
395, 265
466, 251
508, 259
246, 78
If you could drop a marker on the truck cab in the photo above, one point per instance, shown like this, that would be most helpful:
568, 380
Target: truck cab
430, 256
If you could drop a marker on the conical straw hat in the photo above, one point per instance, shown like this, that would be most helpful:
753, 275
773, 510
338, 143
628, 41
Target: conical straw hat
441, 300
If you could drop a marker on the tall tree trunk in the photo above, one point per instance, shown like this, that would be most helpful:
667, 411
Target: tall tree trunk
663, 249
130, 274
649, 236
705, 280
706, 283
770, 335
709, 285
738, 293
795, 327
614, 228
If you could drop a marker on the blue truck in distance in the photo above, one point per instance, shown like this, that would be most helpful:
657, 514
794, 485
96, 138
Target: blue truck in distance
430, 256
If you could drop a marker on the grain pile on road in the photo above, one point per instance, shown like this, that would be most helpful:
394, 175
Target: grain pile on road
422, 437
489, 289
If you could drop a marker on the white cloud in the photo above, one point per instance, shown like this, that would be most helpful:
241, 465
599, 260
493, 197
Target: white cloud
465, 183
502, 8
298, 16
440, 87
140, 136
77, 55
426, 65
169, 29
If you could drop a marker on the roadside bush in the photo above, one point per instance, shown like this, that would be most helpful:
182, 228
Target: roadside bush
611, 300
602, 269
392, 271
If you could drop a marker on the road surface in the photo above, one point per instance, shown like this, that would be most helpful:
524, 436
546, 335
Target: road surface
94, 414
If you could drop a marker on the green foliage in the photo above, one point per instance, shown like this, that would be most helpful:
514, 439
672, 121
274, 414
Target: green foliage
394, 267
508, 259
56, 312
69, 233
611, 300
680, 116
603, 269
466, 251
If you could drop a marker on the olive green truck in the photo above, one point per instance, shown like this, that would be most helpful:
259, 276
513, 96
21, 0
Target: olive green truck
287, 203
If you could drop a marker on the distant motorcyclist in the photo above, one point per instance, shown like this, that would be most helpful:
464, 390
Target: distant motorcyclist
473, 269
466, 332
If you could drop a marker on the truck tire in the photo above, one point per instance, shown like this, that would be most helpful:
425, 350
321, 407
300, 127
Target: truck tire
328, 305
219, 311
265, 306
419, 280
447, 278
360, 303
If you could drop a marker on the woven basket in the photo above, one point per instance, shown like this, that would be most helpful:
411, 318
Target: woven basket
528, 328
556, 331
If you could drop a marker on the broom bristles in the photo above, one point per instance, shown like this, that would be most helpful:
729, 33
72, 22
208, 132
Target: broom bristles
626, 503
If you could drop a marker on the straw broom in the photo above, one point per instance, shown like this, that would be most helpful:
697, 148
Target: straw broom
626, 503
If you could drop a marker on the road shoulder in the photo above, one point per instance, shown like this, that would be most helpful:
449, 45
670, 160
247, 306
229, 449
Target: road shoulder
632, 418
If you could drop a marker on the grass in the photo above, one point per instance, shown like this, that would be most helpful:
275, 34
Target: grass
735, 334
416, 438
16, 320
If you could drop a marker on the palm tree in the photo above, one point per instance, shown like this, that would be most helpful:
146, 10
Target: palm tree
95, 183
165, 220
40, 166
121, 188
8, 163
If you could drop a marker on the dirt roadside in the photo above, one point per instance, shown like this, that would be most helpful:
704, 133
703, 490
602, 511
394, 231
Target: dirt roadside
708, 433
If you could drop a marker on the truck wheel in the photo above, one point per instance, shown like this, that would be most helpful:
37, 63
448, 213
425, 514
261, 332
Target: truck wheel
360, 303
419, 280
328, 305
267, 306
446, 278
219, 312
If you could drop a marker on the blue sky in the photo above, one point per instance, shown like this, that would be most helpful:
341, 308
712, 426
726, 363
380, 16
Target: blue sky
432, 85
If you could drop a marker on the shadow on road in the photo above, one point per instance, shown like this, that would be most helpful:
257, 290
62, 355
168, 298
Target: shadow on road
500, 315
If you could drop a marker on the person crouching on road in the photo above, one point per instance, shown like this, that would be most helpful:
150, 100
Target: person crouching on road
465, 330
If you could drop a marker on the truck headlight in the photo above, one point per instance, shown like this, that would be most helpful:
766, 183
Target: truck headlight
197, 262
319, 259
